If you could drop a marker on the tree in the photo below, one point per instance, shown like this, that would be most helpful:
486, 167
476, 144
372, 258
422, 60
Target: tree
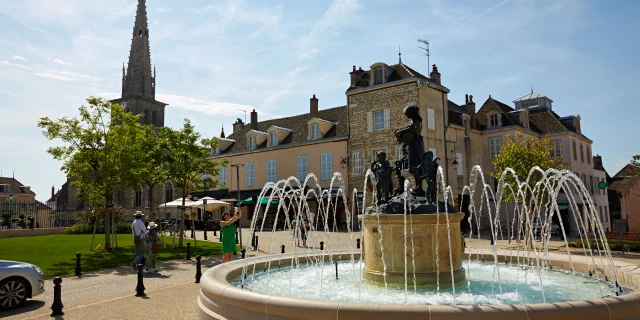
522, 154
98, 152
187, 162
151, 167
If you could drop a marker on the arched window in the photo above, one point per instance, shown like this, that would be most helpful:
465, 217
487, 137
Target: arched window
138, 199
140, 32
146, 116
154, 118
168, 191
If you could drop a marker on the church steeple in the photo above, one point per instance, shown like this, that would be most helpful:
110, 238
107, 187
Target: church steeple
222, 133
139, 82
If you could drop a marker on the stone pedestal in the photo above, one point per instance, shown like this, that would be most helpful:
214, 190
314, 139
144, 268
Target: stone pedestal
391, 228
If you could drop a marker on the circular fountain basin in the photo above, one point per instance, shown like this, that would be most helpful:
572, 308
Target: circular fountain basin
222, 298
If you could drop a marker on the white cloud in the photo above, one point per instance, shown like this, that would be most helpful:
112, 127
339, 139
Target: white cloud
17, 57
15, 65
213, 108
66, 75
62, 62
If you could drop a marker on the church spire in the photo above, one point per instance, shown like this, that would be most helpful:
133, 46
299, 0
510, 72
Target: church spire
139, 82
222, 133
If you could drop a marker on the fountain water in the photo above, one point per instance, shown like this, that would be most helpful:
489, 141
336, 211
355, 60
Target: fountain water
412, 263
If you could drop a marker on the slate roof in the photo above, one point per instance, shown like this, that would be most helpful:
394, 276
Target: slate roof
400, 71
298, 126
15, 186
491, 105
624, 179
532, 95
546, 120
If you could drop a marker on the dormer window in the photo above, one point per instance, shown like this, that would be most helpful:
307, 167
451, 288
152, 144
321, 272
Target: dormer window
273, 139
493, 121
315, 132
377, 78
252, 142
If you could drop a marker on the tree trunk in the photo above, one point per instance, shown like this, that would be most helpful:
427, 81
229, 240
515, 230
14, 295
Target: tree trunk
182, 218
152, 211
95, 225
107, 230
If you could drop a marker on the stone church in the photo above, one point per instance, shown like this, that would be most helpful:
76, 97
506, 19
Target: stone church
138, 97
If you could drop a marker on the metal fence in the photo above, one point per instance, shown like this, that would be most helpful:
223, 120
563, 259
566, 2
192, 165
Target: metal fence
36, 214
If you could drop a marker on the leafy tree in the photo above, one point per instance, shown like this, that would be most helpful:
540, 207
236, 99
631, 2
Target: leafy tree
187, 162
151, 167
522, 154
98, 152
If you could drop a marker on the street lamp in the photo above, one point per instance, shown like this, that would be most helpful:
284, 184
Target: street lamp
238, 166
454, 164
343, 162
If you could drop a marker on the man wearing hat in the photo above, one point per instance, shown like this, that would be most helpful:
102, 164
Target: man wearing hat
139, 232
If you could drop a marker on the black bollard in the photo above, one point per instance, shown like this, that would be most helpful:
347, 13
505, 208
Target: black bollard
215, 233
198, 269
188, 257
358, 243
236, 236
78, 270
193, 233
140, 287
244, 252
491, 239
336, 263
205, 231
256, 247
321, 245
282, 248
56, 307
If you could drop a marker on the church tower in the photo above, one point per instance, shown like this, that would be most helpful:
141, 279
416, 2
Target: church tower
139, 79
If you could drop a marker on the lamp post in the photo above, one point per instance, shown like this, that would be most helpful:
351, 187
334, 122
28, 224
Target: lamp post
237, 166
10, 209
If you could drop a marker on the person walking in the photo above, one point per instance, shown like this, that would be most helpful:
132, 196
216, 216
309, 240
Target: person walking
228, 232
139, 232
153, 243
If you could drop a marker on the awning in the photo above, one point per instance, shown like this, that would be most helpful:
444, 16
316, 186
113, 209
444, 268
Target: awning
263, 201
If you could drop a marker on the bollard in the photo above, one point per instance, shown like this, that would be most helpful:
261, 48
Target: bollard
56, 307
336, 263
198, 269
205, 231
78, 269
282, 248
358, 243
236, 236
188, 257
321, 245
215, 233
491, 239
243, 251
140, 287
256, 247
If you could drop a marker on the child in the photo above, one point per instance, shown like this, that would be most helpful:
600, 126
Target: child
153, 247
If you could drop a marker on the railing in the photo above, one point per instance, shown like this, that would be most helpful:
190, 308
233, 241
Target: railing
35, 214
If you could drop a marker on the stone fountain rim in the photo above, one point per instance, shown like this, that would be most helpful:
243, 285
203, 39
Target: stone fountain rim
216, 290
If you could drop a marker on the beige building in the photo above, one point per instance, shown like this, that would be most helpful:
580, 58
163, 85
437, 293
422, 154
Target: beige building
624, 188
272, 150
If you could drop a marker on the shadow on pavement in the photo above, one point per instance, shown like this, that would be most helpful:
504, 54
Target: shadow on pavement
29, 305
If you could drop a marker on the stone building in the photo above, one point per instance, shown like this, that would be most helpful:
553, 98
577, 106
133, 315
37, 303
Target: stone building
138, 97
271, 150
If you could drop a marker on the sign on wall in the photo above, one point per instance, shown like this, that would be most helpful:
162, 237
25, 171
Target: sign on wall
620, 225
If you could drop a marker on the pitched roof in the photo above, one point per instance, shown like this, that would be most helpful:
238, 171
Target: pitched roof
624, 179
399, 71
298, 126
546, 120
15, 186
494, 105
532, 95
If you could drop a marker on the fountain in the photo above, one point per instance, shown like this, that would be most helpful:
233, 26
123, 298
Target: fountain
414, 261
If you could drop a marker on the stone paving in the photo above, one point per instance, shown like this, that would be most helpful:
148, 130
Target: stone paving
172, 293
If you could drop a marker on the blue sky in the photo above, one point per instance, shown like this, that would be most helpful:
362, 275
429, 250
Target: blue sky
217, 58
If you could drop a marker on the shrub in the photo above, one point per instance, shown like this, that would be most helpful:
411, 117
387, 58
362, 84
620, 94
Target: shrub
82, 228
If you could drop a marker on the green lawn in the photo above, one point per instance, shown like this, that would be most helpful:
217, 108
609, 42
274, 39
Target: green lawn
56, 254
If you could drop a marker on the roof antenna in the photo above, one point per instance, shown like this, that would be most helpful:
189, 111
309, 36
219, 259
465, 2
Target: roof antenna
245, 115
427, 51
531, 89
399, 55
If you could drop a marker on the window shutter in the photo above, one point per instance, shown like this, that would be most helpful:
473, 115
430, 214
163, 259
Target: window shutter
369, 121
431, 119
387, 119
459, 159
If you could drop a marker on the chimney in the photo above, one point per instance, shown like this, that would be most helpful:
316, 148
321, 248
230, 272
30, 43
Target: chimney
53, 192
470, 107
238, 125
254, 120
576, 124
435, 75
313, 108
354, 76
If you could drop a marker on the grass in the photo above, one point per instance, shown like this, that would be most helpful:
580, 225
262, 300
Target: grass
56, 254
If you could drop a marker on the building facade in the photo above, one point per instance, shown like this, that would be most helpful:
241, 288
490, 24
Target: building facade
624, 188
272, 150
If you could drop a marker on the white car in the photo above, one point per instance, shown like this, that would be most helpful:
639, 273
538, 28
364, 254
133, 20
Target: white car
18, 282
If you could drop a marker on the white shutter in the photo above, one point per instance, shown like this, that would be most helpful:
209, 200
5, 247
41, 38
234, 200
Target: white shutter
433, 150
387, 119
431, 119
459, 159
369, 121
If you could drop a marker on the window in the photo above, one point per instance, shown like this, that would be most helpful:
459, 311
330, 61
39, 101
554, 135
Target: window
460, 166
357, 164
494, 147
433, 150
154, 117
581, 153
315, 132
493, 120
146, 117
379, 120
216, 150
377, 79
168, 192
431, 119
557, 149
478, 160
588, 155
399, 155
138, 198
223, 175
303, 168
271, 171
325, 166
575, 151
606, 213
250, 171
252, 142
273, 139
601, 214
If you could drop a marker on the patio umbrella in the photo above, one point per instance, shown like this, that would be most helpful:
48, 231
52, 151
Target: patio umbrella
250, 201
176, 203
211, 205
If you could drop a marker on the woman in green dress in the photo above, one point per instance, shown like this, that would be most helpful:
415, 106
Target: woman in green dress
228, 232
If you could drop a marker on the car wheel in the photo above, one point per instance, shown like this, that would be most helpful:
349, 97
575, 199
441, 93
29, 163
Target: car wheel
13, 292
